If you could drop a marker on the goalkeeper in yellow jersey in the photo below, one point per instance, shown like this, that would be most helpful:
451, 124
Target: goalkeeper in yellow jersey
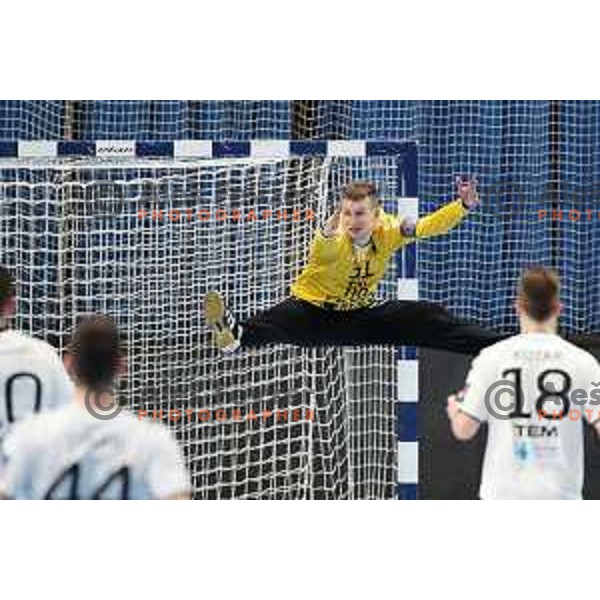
332, 301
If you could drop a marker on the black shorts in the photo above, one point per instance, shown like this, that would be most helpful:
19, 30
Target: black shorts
396, 322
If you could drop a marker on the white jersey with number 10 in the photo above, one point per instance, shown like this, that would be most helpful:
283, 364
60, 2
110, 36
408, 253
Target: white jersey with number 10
32, 379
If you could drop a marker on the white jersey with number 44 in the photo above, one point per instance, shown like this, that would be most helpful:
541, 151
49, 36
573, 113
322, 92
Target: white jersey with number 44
32, 379
70, 454
535, 429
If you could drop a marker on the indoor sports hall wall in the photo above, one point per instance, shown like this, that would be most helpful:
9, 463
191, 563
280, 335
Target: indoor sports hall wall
145, 119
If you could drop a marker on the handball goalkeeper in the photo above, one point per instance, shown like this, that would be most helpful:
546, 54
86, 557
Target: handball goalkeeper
332, 301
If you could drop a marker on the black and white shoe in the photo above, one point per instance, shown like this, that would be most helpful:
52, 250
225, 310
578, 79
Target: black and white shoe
227, 331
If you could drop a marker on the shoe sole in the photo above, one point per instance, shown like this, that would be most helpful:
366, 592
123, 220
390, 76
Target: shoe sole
214, 313
214, 309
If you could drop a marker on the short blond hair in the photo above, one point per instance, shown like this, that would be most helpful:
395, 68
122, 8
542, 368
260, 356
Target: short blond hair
361, 190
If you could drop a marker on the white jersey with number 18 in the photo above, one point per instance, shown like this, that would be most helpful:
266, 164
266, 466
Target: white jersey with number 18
70, 454
32, 379
535, 428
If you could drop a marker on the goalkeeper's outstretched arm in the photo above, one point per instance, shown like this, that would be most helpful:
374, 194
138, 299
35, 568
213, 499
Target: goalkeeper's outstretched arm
444, 219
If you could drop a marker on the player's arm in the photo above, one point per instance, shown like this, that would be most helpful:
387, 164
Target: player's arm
592, 383
467, 410
326, 242
332, 225
463, 425
445, 218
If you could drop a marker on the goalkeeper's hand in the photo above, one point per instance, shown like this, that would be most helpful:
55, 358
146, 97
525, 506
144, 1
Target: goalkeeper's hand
333, 224
467, 192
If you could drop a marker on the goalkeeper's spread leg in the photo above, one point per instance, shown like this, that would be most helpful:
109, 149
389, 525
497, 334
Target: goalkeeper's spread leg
292, 321
226, 329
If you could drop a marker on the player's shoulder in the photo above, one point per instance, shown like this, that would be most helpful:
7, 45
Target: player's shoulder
143, 430
387, 221
498, 349
580, 355
321, 240
41, 428
551, 343
495, 354
49, 427
19, 341
388, 227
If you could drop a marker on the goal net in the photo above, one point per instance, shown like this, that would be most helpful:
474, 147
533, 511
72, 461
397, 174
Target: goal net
143, 241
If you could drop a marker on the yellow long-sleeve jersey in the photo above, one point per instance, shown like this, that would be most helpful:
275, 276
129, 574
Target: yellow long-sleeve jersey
341, 277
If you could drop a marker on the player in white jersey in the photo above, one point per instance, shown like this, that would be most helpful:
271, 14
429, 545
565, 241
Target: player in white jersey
91, 449
533, 390
32, 376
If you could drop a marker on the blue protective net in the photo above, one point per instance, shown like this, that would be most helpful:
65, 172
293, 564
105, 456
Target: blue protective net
529, 156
